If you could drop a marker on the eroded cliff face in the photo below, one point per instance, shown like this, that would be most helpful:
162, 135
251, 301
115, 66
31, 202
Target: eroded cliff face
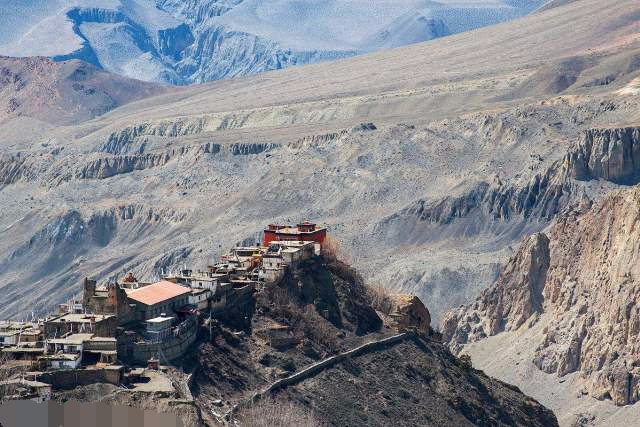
584, 274
516, 297
612, 154
605, 154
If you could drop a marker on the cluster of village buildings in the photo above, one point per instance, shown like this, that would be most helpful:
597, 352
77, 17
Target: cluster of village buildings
133, 323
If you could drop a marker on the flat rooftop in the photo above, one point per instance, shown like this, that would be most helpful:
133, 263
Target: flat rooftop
23, 350
296, 230
157, 292
9, 324
63, 356
103, 339
292, 243
72, 339
80, 318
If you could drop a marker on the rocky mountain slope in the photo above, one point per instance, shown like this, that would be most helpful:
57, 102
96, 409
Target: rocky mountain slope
570, 295
196, 41
321, 347
324, 305
428, 175
63, 92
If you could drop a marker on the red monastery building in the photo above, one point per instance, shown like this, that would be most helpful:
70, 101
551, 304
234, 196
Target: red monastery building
305, 232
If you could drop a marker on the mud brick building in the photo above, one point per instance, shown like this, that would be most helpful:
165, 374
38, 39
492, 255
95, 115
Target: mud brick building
161, 297
103, 325
109, 300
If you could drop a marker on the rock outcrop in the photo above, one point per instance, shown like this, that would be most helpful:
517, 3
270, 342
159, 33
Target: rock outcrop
608, 154
584, 277
612, 154
513, 300
409, 313
120, 142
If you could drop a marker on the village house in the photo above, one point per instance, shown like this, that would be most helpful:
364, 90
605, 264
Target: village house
159, 328
24, 352
305, 231
161, 297
202, 279
199, 298
14, 333
62, 361
111, 299
98, 324
75, 350
164, 337
283, 254
21, 340
71, 307
243, 258
9, 338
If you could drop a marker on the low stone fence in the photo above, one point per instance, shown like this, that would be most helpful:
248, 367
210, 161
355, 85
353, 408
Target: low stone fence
71, 378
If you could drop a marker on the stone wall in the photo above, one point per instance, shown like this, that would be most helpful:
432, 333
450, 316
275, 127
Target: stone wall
320, 366
166, 350
71, 378
102, 328
115, 302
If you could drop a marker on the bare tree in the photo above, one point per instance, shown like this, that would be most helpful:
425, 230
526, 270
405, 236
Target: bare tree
5, 374
276, 413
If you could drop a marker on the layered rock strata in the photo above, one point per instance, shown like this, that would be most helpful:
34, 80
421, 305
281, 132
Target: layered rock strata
584, 273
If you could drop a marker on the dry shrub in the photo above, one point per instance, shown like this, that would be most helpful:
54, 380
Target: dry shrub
380, 298
331, 250
276, 413
320, 330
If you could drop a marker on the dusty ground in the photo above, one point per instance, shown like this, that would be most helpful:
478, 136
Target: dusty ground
508, 357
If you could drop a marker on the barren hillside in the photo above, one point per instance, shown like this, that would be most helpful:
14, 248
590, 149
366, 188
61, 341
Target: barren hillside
400, 379
63, 92
565, 305
428, 163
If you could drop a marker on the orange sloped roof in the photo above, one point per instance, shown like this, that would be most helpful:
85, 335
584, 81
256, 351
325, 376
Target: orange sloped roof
157, 292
